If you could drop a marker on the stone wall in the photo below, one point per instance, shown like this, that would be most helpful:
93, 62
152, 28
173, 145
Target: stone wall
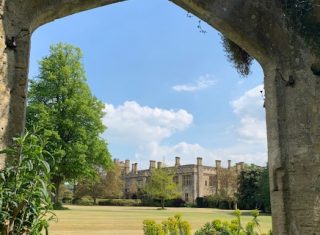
204, 180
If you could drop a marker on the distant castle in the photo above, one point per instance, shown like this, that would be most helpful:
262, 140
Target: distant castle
194, 180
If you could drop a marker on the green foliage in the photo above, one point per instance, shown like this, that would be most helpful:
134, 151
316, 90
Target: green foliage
215, 201
160, 185
175, 202
241, 60
67, 196
299, 16
217, 227
68, 115
25, 201
264, 191
248, 188
150, 227
253, 189
106, 184
172, 226
120, 202
83, 201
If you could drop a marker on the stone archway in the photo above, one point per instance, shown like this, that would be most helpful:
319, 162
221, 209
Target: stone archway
292, 89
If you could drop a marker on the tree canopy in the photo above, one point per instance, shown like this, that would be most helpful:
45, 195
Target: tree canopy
64, 110
160, 185
253, 188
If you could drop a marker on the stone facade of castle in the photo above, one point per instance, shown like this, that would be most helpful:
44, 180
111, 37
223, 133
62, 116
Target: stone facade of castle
194, 180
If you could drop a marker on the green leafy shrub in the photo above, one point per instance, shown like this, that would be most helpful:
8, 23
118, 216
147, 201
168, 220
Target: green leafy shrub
67, 197
120, 202
176, 202
217, 227
58, 206
172, 226
215, 201
25, 201
150, 227
83, 201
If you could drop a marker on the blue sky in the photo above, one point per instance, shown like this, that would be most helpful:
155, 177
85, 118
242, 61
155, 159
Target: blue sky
169, 89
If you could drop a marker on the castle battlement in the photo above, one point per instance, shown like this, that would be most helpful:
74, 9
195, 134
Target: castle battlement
194, 180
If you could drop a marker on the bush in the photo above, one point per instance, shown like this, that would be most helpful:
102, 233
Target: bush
24, 189
58, 206
120, 202
177, 202
234, 227
83, 201
216, 201
172, 226
67, 197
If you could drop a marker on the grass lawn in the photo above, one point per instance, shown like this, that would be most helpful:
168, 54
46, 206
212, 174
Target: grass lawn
111, 220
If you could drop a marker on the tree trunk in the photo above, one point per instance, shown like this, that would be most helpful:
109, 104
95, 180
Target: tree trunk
57, 182
162, 203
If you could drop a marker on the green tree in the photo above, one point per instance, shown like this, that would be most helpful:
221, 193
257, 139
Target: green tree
106, 184
114, 182
264, 190
248, 187
160, 185
67, 114
94, 187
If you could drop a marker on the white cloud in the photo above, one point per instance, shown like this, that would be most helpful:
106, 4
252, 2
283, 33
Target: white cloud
202, 82
189, 152
249, 108
131, 123
145, 128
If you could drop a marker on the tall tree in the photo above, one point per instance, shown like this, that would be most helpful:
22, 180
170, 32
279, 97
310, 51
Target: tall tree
114, 182
106, 184
94, 186
264, 190
63, 108
248, 187
160, 185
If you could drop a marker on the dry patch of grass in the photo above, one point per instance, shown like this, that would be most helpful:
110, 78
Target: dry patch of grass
111, 220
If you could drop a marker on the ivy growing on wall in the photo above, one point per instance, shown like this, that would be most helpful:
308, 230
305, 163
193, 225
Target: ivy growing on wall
298, 14
299, 17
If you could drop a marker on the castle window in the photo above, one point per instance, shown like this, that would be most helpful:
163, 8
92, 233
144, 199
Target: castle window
212, 180
175, 179
206, 183
186, 197
186, 180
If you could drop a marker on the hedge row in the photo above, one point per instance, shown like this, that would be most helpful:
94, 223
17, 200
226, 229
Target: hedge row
214, 202
120, 202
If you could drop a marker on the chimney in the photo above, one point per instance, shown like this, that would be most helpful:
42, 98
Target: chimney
152, 164
199, 161
127, 166
218, 163
229, 164
136, 168
132, 169
159, 165
177, 161
116, 161
239, 167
